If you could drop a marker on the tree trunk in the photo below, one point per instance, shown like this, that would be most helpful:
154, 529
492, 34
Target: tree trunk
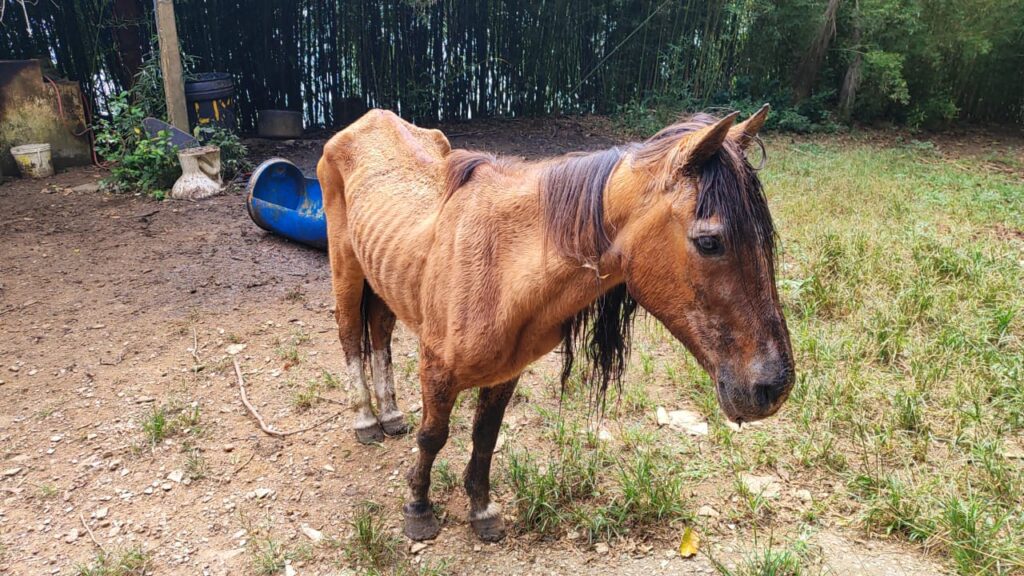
848, 93
807, 74
128, 37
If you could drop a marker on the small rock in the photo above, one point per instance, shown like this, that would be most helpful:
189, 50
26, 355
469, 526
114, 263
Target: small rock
803, 495
71, 536
229, 447
235, 348
604, 435
311, 533
328, 468
13, 368
11, 472
261, 493
767, 486
166, 486
477, 547
289, 571
707, 512
417, 547
100, 513
688, 421
500, 442
88, 188
1013, 451
176, 476
56, 438
662, 416
601, 548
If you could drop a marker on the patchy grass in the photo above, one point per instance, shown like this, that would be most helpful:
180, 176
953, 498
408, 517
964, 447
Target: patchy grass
307, 396
371, 544
47, 491
155, 427
378, 552
443, 478
906, 314
130, 562
771, 561
196, 467
329, 380
585, 486
170, 420
268, 555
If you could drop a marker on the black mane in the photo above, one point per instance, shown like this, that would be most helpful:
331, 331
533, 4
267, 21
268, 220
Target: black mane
573, 198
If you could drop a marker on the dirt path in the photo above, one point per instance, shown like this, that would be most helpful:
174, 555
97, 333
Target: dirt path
102, 300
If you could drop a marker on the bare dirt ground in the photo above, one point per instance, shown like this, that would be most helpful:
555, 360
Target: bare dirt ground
112, 307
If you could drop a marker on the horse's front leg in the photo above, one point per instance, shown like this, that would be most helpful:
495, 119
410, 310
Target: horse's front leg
438, 400
484, 515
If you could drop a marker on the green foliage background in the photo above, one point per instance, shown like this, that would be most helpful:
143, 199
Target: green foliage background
920, 62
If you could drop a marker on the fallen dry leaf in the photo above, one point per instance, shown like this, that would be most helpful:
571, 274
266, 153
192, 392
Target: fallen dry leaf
689, 543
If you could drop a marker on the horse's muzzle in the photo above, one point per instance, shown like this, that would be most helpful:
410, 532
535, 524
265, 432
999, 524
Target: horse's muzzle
756, 398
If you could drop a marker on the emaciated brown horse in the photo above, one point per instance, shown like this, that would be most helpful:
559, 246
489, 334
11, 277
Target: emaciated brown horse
493, 262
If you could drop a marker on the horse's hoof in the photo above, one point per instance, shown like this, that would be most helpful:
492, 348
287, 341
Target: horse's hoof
420, 522
370, 435
396, 426
490, 529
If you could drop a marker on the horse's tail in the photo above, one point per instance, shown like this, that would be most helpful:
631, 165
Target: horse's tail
364, 310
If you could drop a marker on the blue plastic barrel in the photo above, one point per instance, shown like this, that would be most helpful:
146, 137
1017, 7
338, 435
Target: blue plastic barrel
280, 199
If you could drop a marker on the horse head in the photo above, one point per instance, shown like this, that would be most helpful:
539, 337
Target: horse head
696, 246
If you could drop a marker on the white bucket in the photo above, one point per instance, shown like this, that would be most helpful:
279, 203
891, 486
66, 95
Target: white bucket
33, 160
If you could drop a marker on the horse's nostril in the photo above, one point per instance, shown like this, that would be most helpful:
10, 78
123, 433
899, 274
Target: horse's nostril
767, 394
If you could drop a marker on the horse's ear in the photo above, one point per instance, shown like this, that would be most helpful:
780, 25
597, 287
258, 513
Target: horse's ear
703, 144
744, 132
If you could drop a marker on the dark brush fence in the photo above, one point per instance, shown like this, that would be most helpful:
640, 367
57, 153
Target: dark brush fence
436, 60
430, 60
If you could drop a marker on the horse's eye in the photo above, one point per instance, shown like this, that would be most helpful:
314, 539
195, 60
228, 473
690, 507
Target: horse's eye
709, 245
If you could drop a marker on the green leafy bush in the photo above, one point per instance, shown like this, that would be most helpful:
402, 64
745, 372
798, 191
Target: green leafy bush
140, 163
233, 153
644, 117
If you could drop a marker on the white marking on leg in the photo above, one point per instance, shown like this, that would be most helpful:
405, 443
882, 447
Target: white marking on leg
384, 386
360, 396
493, 509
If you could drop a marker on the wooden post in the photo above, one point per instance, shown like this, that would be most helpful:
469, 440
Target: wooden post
170, 65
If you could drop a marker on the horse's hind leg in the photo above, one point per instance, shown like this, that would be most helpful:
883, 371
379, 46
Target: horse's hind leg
382, 324
348, 281
348, 293
438, 399
484, 515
